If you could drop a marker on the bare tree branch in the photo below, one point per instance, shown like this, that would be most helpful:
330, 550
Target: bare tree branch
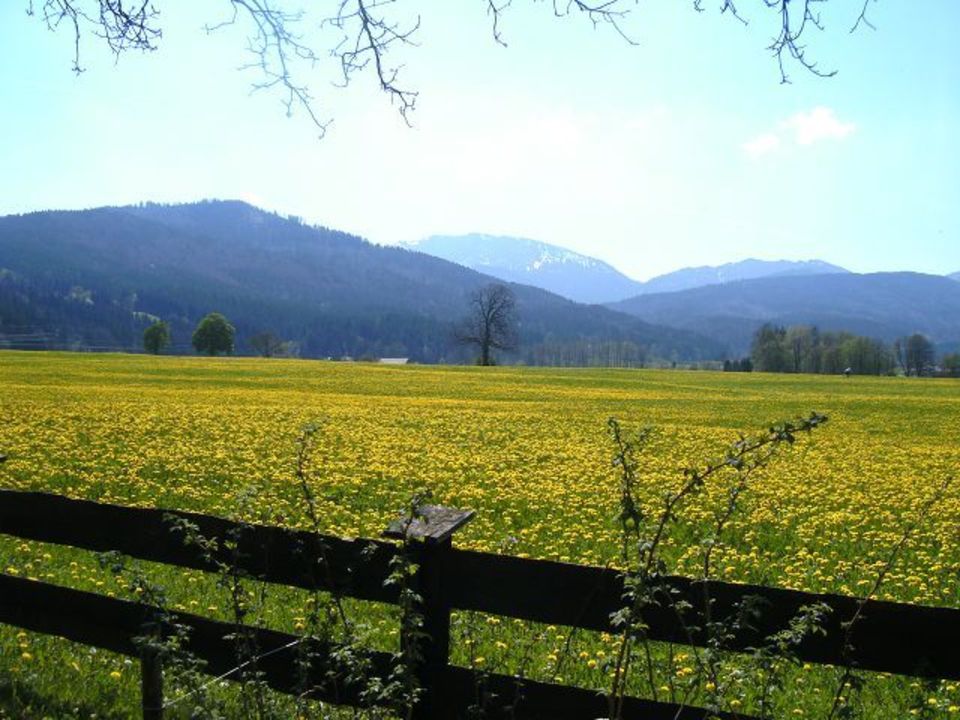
368, 36
495, 10
795, 18
276, 46
728, 7
608, 12
787, 42
862, 18
369, 33
122, 28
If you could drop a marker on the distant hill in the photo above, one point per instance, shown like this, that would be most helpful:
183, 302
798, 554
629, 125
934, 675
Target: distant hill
749, 269
98, 277
881, 305
954, 276
561, 271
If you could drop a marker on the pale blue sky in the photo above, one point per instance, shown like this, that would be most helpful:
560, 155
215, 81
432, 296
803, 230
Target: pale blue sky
682, 150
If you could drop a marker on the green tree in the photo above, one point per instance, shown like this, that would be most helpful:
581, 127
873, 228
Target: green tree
769, 351
915, 354
799, 343
951, 364
865, 356
156, 337
214, 334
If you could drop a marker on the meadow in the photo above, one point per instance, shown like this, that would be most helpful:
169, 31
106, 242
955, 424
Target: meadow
527, 448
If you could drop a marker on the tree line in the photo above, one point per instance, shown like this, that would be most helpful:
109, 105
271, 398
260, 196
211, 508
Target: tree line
807, 349
490, 326
214, 334
586, 353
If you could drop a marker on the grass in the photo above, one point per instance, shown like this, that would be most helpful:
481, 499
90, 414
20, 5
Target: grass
525, 447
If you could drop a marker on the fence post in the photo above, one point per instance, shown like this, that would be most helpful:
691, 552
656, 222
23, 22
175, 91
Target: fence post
432, 533
151, 685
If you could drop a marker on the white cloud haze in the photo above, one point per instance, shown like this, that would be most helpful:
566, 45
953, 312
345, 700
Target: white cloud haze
762, 144
804, 128
821, 123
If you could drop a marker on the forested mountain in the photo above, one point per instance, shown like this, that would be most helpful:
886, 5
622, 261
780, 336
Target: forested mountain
98, 277
561, 271
880, 305
749, 269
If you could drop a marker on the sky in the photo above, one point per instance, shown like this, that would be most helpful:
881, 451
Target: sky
679, 148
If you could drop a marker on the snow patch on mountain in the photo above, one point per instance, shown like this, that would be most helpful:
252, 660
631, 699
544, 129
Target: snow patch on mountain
531, 262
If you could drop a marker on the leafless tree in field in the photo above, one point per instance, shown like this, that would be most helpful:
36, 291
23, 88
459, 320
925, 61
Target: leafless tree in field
491, 322
266, 344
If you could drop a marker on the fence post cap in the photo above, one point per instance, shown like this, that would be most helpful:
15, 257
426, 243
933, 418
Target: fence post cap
433, 524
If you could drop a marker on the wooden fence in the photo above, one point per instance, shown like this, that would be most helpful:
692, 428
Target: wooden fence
888, 637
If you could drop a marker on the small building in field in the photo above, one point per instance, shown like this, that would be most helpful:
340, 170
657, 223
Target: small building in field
394, 361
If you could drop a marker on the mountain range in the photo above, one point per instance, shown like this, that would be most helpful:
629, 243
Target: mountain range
530, 262
750, 269
96, 278
589, 280
879, 305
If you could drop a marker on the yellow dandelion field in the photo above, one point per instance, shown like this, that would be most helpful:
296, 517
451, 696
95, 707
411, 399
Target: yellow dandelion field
527, 448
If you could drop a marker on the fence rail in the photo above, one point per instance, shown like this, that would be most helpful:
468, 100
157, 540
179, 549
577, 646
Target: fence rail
889, 637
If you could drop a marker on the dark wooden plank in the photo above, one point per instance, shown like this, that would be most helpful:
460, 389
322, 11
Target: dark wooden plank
544, 591
353, 567
515, 699
890, 637
78, 616
151, 685
433, 524
110, 624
